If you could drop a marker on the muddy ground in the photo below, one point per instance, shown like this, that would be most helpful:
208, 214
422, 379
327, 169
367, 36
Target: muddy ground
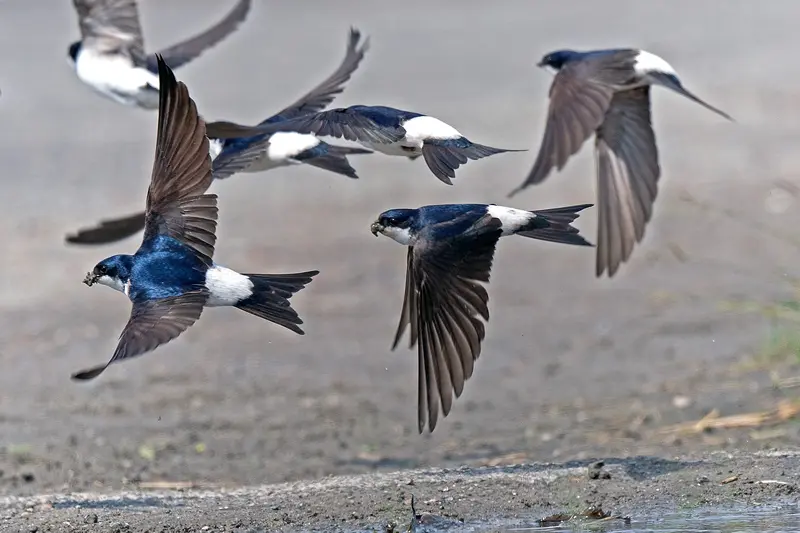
573, 368
619, 492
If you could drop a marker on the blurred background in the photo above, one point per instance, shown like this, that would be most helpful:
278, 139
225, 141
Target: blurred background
700, 323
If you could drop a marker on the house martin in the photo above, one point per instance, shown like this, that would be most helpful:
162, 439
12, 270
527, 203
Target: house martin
607, 92
450, 253
400, 133
172, 277
235, 147
286, 148
110, 57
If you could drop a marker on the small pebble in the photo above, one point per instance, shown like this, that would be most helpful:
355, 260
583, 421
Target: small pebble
681, 402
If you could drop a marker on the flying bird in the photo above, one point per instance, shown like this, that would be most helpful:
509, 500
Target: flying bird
286, 148
172, 277
399, 133
236, 148
607, 92
450, 253
110, 57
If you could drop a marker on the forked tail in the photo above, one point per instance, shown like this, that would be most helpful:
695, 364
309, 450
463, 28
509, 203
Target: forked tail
271, 294
555, 225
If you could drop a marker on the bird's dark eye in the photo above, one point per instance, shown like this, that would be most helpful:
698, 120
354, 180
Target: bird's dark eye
100, 270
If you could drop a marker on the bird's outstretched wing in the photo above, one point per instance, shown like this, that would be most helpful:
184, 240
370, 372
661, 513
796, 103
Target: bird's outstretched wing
225, 165
350, 123
152, 323
580, 95
224, 129
176, 203
443, 304
110, 26
185, 51
110, 230
627, 177
323, 94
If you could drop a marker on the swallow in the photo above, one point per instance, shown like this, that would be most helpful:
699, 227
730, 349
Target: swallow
607, 92
398, 133
235, 148
450, 253
286, 148
172, 276
110, 56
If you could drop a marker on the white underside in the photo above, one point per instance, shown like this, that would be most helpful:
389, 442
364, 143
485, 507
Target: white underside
511, 218
400, 235
115, 77
418, 129
226, 286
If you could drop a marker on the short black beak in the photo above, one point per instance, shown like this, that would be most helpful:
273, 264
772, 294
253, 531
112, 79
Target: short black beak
376, 227
541, 64
90, 279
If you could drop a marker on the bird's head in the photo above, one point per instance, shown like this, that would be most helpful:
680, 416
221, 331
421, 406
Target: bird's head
557, 59
74, 50
114, 272
395, 224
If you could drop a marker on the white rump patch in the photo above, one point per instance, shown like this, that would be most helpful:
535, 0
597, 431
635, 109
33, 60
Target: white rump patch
647, 62
512, 219
226, 286
214, 148
420, 128
400, 235
285, 145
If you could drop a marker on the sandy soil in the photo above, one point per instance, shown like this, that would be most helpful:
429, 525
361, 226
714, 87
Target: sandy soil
573, 367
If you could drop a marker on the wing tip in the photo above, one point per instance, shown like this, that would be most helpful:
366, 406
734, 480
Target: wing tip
89, 374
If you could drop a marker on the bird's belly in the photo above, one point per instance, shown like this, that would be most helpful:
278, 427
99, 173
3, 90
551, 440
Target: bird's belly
226, 287
400, 148
116, 78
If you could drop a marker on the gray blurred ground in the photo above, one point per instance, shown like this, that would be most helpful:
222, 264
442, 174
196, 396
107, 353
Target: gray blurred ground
572, 366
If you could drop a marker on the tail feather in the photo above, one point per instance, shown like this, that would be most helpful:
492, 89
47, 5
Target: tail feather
336, 160
555, 225
270, 298
444, 156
